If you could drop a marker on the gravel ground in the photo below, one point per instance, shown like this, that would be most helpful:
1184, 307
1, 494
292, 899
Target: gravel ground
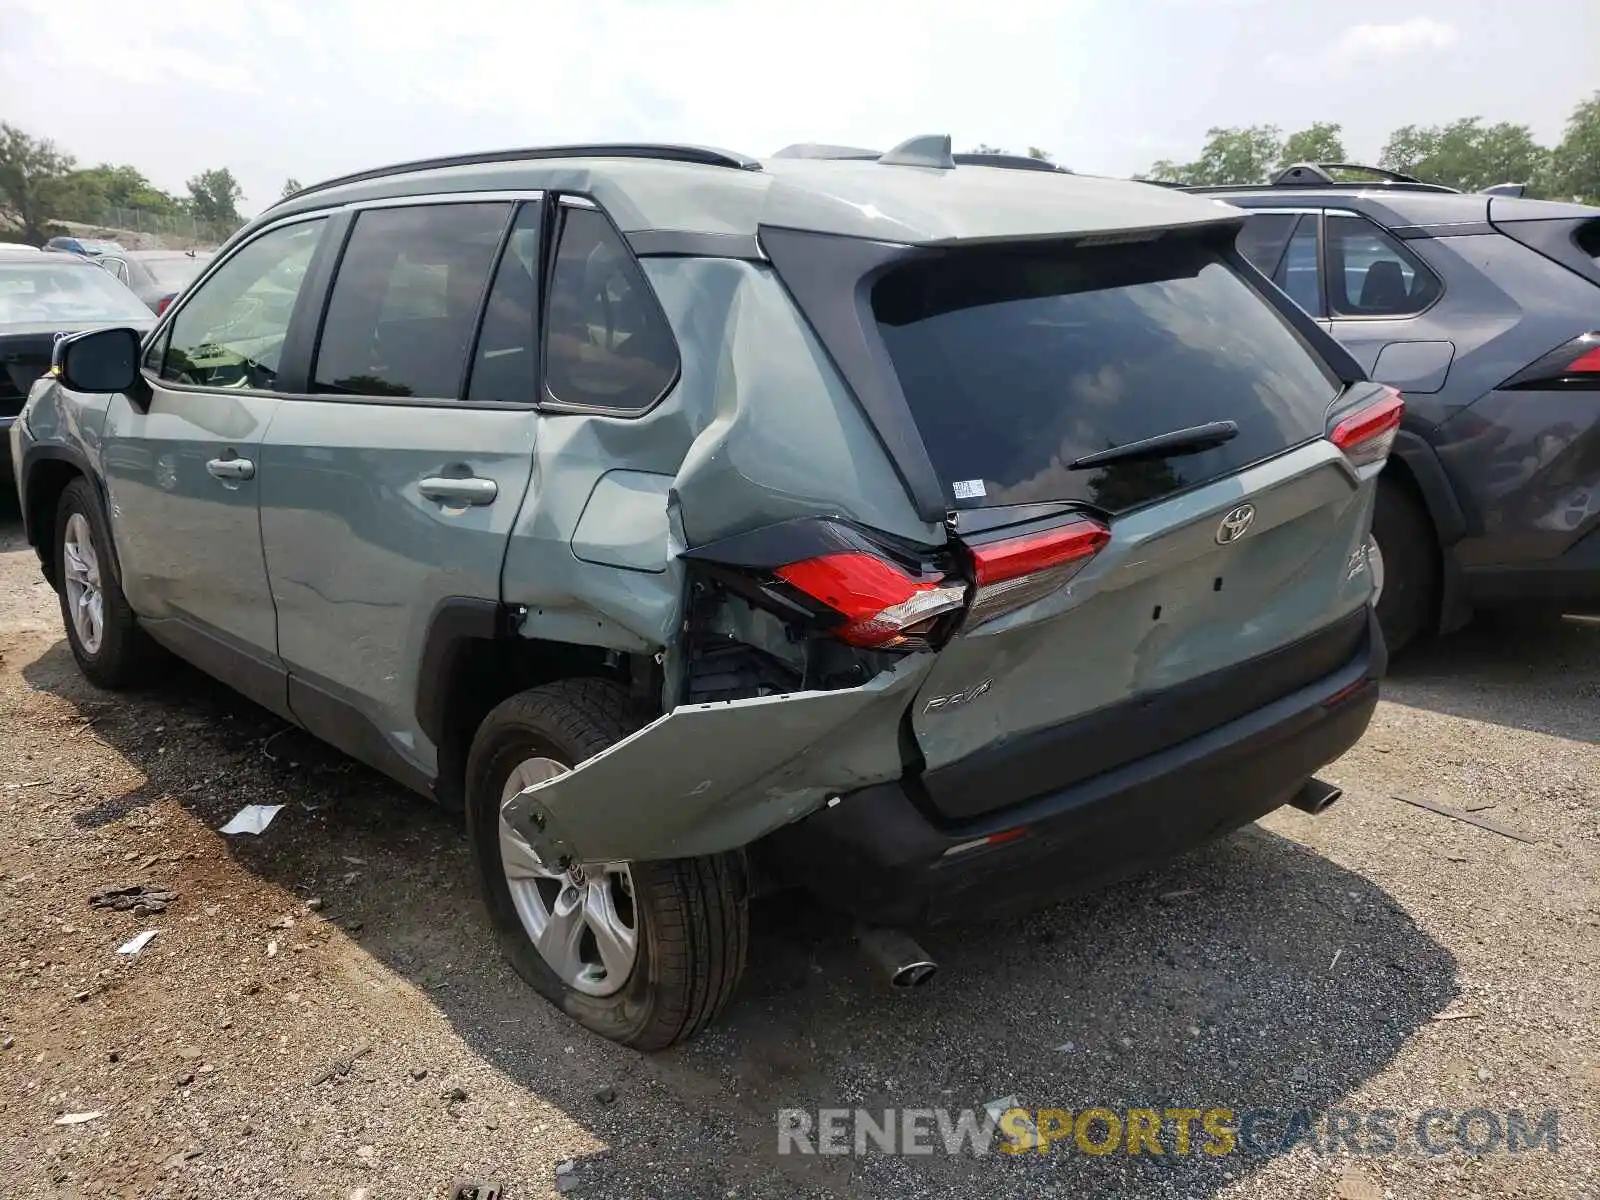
322, 1013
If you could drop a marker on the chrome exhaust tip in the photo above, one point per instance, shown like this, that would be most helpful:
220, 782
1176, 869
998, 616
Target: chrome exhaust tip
904, 963
1316, 797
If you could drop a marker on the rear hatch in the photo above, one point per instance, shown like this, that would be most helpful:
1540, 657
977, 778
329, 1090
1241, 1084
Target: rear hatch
1125, 602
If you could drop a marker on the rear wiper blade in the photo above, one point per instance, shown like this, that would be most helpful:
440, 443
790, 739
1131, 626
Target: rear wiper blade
1164, 445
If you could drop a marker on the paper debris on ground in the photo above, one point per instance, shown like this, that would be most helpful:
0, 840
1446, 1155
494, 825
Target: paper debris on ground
137, 942
79, 1118
252, 818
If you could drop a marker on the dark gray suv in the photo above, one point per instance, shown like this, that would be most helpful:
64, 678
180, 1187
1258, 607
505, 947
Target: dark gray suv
1483, 309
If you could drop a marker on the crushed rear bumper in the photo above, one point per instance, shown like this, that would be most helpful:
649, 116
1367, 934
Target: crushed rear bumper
883, 855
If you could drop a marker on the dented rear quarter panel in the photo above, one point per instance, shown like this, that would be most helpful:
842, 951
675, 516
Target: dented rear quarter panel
758, 429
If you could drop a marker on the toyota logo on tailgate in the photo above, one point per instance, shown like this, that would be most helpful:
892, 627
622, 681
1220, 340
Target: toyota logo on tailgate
1236, 524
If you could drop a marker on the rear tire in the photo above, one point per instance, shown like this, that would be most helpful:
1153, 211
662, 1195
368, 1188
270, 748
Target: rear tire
687, 919
1404, 535
111, 650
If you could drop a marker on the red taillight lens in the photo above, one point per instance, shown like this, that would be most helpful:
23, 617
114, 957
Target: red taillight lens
1367, 435
162, 304
1575, 365
1587, 363
1018, 571
878, 601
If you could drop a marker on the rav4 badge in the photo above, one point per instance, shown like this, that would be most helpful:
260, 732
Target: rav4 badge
957, 699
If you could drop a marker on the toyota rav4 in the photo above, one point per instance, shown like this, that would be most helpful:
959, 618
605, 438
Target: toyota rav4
937, 536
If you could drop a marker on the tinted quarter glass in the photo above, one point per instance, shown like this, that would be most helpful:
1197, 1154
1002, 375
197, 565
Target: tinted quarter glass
1299, 273
230, 332
505, 366
405, 300
1371, 274
1263, 239
609, 345
1017, 363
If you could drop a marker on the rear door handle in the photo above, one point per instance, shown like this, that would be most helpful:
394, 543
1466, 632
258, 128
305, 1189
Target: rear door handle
232, 469
459, 491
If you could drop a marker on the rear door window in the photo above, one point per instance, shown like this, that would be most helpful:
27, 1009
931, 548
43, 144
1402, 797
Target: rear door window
1017, 363
1371, 274
405, 300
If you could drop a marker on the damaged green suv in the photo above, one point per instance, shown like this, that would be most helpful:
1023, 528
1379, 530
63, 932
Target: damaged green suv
937, 536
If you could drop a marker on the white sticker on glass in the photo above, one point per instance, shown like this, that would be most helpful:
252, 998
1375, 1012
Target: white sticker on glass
968, 489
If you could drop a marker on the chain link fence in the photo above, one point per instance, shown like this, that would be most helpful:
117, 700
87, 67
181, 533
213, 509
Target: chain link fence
176, 228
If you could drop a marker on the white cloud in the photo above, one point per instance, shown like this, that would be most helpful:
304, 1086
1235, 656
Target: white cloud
275, 88
1363, 46
1391, 41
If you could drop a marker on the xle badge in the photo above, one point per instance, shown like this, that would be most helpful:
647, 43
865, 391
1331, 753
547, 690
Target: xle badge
957, 699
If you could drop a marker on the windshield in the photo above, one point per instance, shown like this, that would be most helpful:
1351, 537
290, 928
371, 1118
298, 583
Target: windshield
35, 292
1016, 363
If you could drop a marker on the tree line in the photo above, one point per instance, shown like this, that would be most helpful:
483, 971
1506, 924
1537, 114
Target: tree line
1468, 154
40, 185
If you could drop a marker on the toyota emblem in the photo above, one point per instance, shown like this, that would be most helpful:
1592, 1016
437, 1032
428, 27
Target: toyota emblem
1236, 524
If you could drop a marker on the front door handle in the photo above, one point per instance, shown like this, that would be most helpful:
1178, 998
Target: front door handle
459, 491
232, 470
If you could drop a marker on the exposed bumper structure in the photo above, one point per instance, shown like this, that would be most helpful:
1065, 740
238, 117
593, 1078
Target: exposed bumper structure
880, 855
712, 777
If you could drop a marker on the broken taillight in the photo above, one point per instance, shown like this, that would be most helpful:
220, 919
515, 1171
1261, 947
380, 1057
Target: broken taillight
1012, 572
1367, 435
879, 603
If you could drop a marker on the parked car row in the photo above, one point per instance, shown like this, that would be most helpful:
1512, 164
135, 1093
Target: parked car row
938, 535
1484, 309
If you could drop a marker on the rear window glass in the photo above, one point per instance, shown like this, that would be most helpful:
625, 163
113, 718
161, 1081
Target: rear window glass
174, 273
1015, 365
33, 292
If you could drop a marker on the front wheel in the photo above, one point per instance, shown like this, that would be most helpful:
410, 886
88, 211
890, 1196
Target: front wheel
110, 648
643, 953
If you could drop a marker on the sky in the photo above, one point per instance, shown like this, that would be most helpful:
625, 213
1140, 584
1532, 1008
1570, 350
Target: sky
309, 89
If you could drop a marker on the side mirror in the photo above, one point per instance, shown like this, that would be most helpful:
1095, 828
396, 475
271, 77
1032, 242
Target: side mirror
102, 360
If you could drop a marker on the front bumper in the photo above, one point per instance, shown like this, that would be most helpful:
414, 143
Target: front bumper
880, 854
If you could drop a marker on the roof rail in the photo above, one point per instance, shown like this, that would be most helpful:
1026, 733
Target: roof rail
1322, 173
707, 156
1009, 162
823, 150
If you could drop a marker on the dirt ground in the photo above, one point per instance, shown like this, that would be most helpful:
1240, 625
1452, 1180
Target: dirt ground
323, 1014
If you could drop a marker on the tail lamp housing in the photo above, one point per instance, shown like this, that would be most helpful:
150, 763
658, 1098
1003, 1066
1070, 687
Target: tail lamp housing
1011, 572
1574, 366
1367, 435
879, 603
